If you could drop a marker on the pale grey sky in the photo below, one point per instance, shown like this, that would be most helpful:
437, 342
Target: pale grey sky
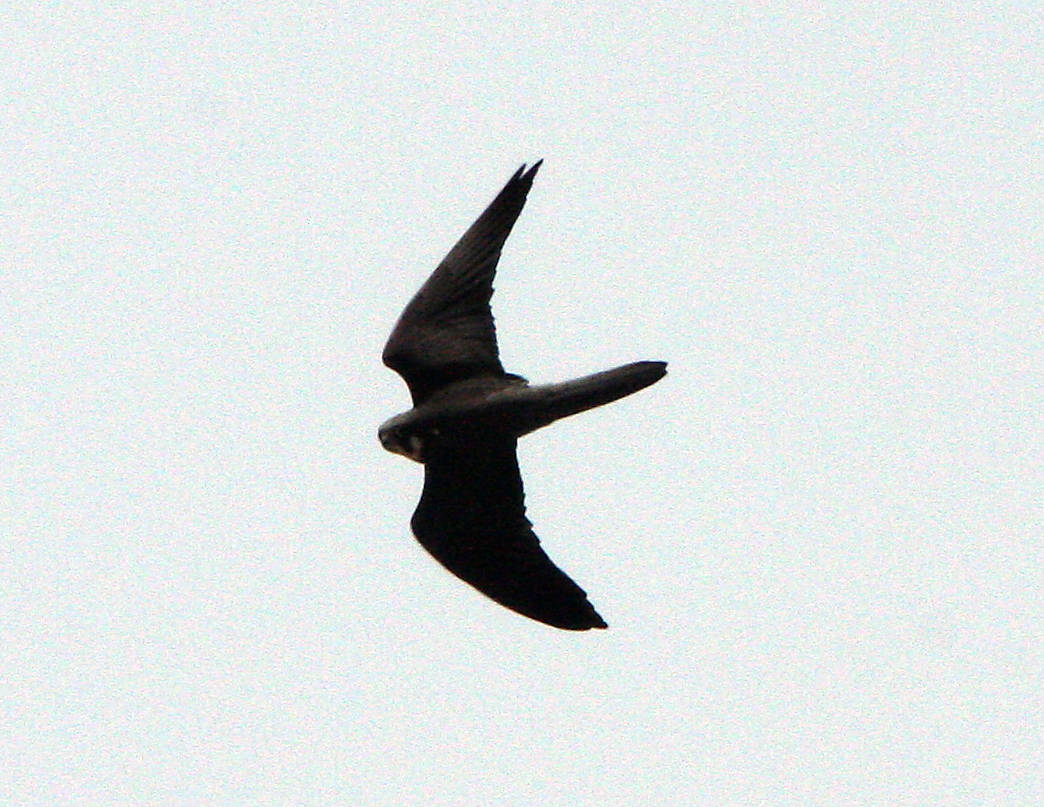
817, 541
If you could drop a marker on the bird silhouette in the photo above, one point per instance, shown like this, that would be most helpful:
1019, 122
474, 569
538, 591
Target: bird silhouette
467, 416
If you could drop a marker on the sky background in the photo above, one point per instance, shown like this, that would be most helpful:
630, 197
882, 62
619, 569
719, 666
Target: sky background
817, 542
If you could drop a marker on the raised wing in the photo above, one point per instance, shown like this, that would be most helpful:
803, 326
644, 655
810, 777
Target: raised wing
446, 331
472, 519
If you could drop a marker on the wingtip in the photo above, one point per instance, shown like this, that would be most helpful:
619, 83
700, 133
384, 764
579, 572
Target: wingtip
527, 175
588, 619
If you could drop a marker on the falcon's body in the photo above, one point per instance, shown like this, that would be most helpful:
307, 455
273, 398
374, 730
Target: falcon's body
468, 414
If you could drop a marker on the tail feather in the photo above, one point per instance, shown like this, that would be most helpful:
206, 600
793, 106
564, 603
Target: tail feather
557, 401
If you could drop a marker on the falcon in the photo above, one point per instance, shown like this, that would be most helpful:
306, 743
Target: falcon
467, 416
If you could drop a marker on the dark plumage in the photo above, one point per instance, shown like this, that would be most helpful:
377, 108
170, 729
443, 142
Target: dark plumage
467, 416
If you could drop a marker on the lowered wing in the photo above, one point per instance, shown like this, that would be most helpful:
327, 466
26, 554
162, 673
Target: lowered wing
472, 519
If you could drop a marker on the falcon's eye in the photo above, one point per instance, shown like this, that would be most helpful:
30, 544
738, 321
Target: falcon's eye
391, 439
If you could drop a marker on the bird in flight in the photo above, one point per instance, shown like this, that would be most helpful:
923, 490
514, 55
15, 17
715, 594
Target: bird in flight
467, 416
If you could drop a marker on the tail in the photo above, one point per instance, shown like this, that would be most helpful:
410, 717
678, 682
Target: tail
555, 401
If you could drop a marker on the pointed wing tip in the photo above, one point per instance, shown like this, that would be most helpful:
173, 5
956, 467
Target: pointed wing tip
599, 625
570, 626
588, 619
522, 175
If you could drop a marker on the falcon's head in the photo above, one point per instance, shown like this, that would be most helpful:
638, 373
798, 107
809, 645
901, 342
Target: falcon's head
400, 435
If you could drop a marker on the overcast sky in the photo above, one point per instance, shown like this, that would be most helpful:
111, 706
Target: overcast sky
817, 542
